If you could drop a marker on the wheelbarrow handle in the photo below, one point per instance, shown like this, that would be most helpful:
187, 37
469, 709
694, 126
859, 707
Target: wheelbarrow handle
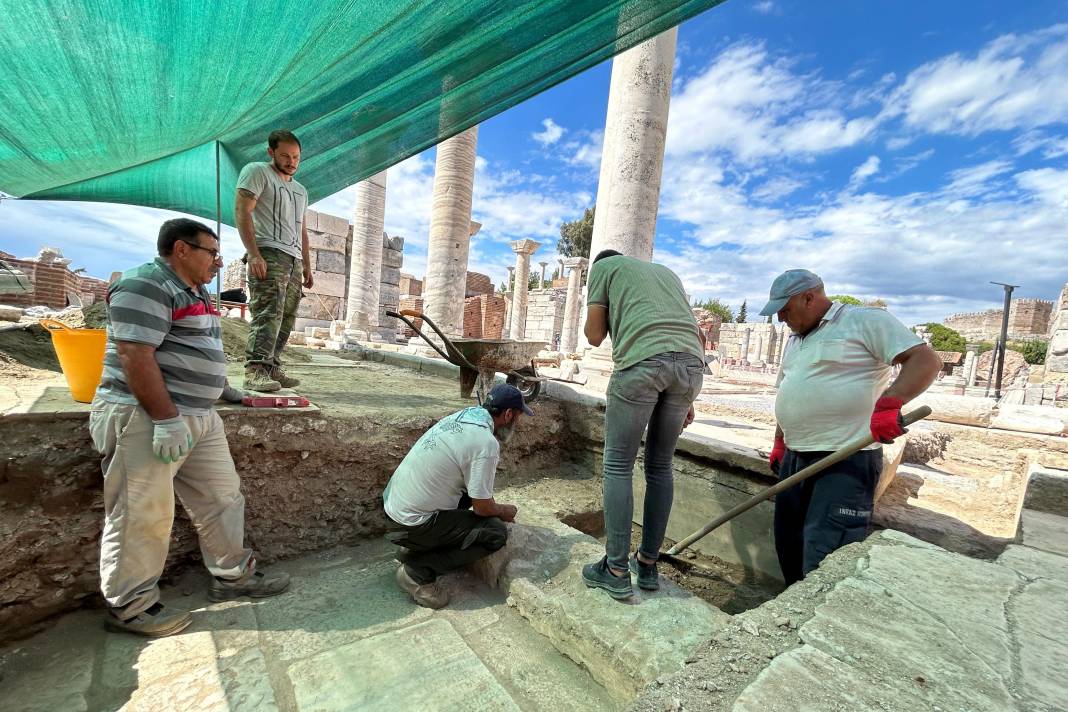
415, 328
453, 356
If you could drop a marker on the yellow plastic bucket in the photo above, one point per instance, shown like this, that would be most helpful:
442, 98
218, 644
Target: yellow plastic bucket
81, 356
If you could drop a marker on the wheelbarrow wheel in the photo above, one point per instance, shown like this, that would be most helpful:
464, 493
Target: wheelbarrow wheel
529, 389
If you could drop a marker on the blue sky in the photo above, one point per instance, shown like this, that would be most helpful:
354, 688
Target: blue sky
912, 151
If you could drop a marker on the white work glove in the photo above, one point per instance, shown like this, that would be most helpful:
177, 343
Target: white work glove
231, 394
171, 439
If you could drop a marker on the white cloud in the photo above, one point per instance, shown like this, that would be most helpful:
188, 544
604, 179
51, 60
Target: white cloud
864, 171
1048, 185
753, 106
1050, 146
976, 179
1015, 81
764, 7
550, 134
585, 152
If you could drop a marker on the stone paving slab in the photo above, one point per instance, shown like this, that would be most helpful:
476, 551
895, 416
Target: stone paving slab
1035, 563
1039, 614
423, 667
1042, 530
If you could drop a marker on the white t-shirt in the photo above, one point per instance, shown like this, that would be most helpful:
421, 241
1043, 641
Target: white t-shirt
278, 218
459, 454
829, 380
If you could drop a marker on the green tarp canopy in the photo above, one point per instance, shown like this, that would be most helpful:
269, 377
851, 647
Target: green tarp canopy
134, 101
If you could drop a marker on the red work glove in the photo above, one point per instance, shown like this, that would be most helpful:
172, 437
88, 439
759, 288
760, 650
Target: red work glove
886, 419
778, 451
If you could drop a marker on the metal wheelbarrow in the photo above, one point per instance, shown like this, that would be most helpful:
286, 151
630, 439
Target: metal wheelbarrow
480, 360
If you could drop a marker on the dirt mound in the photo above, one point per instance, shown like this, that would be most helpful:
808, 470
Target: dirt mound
96, 316
235, 338
30, 347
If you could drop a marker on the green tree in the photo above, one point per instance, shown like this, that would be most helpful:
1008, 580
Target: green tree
716, 307
534, 282
743, 313
503, 287
846, 299
575, 236
945, 339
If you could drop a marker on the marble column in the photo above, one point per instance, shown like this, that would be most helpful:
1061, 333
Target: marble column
969, 369
744, 351
450, 232
523, 249
560, 269
509, 301
365, 265
573, 303
632, 158
541, 284
760, 348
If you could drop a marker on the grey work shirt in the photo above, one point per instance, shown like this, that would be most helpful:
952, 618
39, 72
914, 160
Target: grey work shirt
830, 379
278, 217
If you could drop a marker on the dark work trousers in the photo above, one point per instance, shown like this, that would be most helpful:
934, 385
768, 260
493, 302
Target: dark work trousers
449, 540
826, 511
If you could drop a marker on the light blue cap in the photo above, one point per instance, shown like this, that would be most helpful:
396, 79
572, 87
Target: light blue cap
786, 285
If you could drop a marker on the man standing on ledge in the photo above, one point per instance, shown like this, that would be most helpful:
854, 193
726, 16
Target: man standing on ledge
658, 374
153, 419
832, 392
270, 219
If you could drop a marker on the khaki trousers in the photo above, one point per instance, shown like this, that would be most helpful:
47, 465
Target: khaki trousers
139, 494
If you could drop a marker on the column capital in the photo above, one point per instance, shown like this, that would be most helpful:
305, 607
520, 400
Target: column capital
576, 263
544, 264
525, 247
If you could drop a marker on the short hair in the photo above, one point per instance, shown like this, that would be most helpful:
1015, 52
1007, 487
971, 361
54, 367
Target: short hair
606, 253
282, 136
177, 229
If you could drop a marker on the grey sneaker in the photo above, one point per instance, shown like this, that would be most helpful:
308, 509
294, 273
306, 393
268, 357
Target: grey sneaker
153, 622
598, 575
254, 585
648, 578
257, 378
279, 375
427, 595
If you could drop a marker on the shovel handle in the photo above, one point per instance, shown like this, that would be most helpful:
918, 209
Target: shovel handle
813, 469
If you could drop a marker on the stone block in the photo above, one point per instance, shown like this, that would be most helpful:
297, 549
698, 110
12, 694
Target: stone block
424, 667
1047, 490
322, 241
394, 243
311, 220
393, 258
390, 275
318, 332
329, 261
10, 313
333, 225
1043, 419
892, 455
329, 283
320, 307
964, 410
304, 323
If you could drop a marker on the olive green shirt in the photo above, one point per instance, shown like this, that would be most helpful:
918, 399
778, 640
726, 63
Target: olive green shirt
648, 313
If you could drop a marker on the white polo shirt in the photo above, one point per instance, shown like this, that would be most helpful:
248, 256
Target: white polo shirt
830, 379
459, 454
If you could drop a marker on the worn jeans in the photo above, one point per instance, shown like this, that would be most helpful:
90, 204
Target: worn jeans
657, 393
139, 494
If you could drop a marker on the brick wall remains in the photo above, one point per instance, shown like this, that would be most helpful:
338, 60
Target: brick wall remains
52, 281
473, 317
415, 303
410, 286
478, 283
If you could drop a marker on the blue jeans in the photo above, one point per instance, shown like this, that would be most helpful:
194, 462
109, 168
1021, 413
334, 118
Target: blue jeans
657, 393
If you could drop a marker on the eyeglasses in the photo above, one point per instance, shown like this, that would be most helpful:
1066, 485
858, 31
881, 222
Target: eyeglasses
215, 254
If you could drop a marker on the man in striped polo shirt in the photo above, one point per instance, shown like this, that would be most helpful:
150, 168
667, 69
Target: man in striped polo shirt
658, 374
154, 422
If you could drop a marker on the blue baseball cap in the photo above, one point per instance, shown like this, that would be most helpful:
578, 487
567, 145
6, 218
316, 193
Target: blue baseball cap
786, 285
505, 397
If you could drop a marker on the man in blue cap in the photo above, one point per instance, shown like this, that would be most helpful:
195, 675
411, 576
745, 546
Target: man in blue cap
834, 388
441, 495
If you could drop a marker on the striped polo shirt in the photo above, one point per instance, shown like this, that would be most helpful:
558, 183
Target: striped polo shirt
648, 313
151, 304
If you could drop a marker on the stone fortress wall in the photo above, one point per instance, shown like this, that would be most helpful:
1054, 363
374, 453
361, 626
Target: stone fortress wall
1028, 319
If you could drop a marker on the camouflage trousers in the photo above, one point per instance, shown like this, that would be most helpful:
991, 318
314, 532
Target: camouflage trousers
273, 305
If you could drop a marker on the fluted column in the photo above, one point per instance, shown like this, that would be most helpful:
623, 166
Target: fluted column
573, 304
450, 232
745, 347
365, 264
523, 250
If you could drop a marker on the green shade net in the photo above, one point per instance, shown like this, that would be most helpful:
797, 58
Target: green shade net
138, 101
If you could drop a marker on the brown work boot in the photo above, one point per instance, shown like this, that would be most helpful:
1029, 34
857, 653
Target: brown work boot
257, 378
427, 595
153, 622
279, 375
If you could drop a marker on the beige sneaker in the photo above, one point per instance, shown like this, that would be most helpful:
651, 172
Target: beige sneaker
279, 375
155, 622
427, 595
257, 379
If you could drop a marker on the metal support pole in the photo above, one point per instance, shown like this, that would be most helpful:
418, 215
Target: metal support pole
218, 229
1004, 336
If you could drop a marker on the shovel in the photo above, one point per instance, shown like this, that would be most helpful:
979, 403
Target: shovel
796, 478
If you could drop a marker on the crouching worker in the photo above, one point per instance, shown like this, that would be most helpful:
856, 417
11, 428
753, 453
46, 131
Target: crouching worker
441, 495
